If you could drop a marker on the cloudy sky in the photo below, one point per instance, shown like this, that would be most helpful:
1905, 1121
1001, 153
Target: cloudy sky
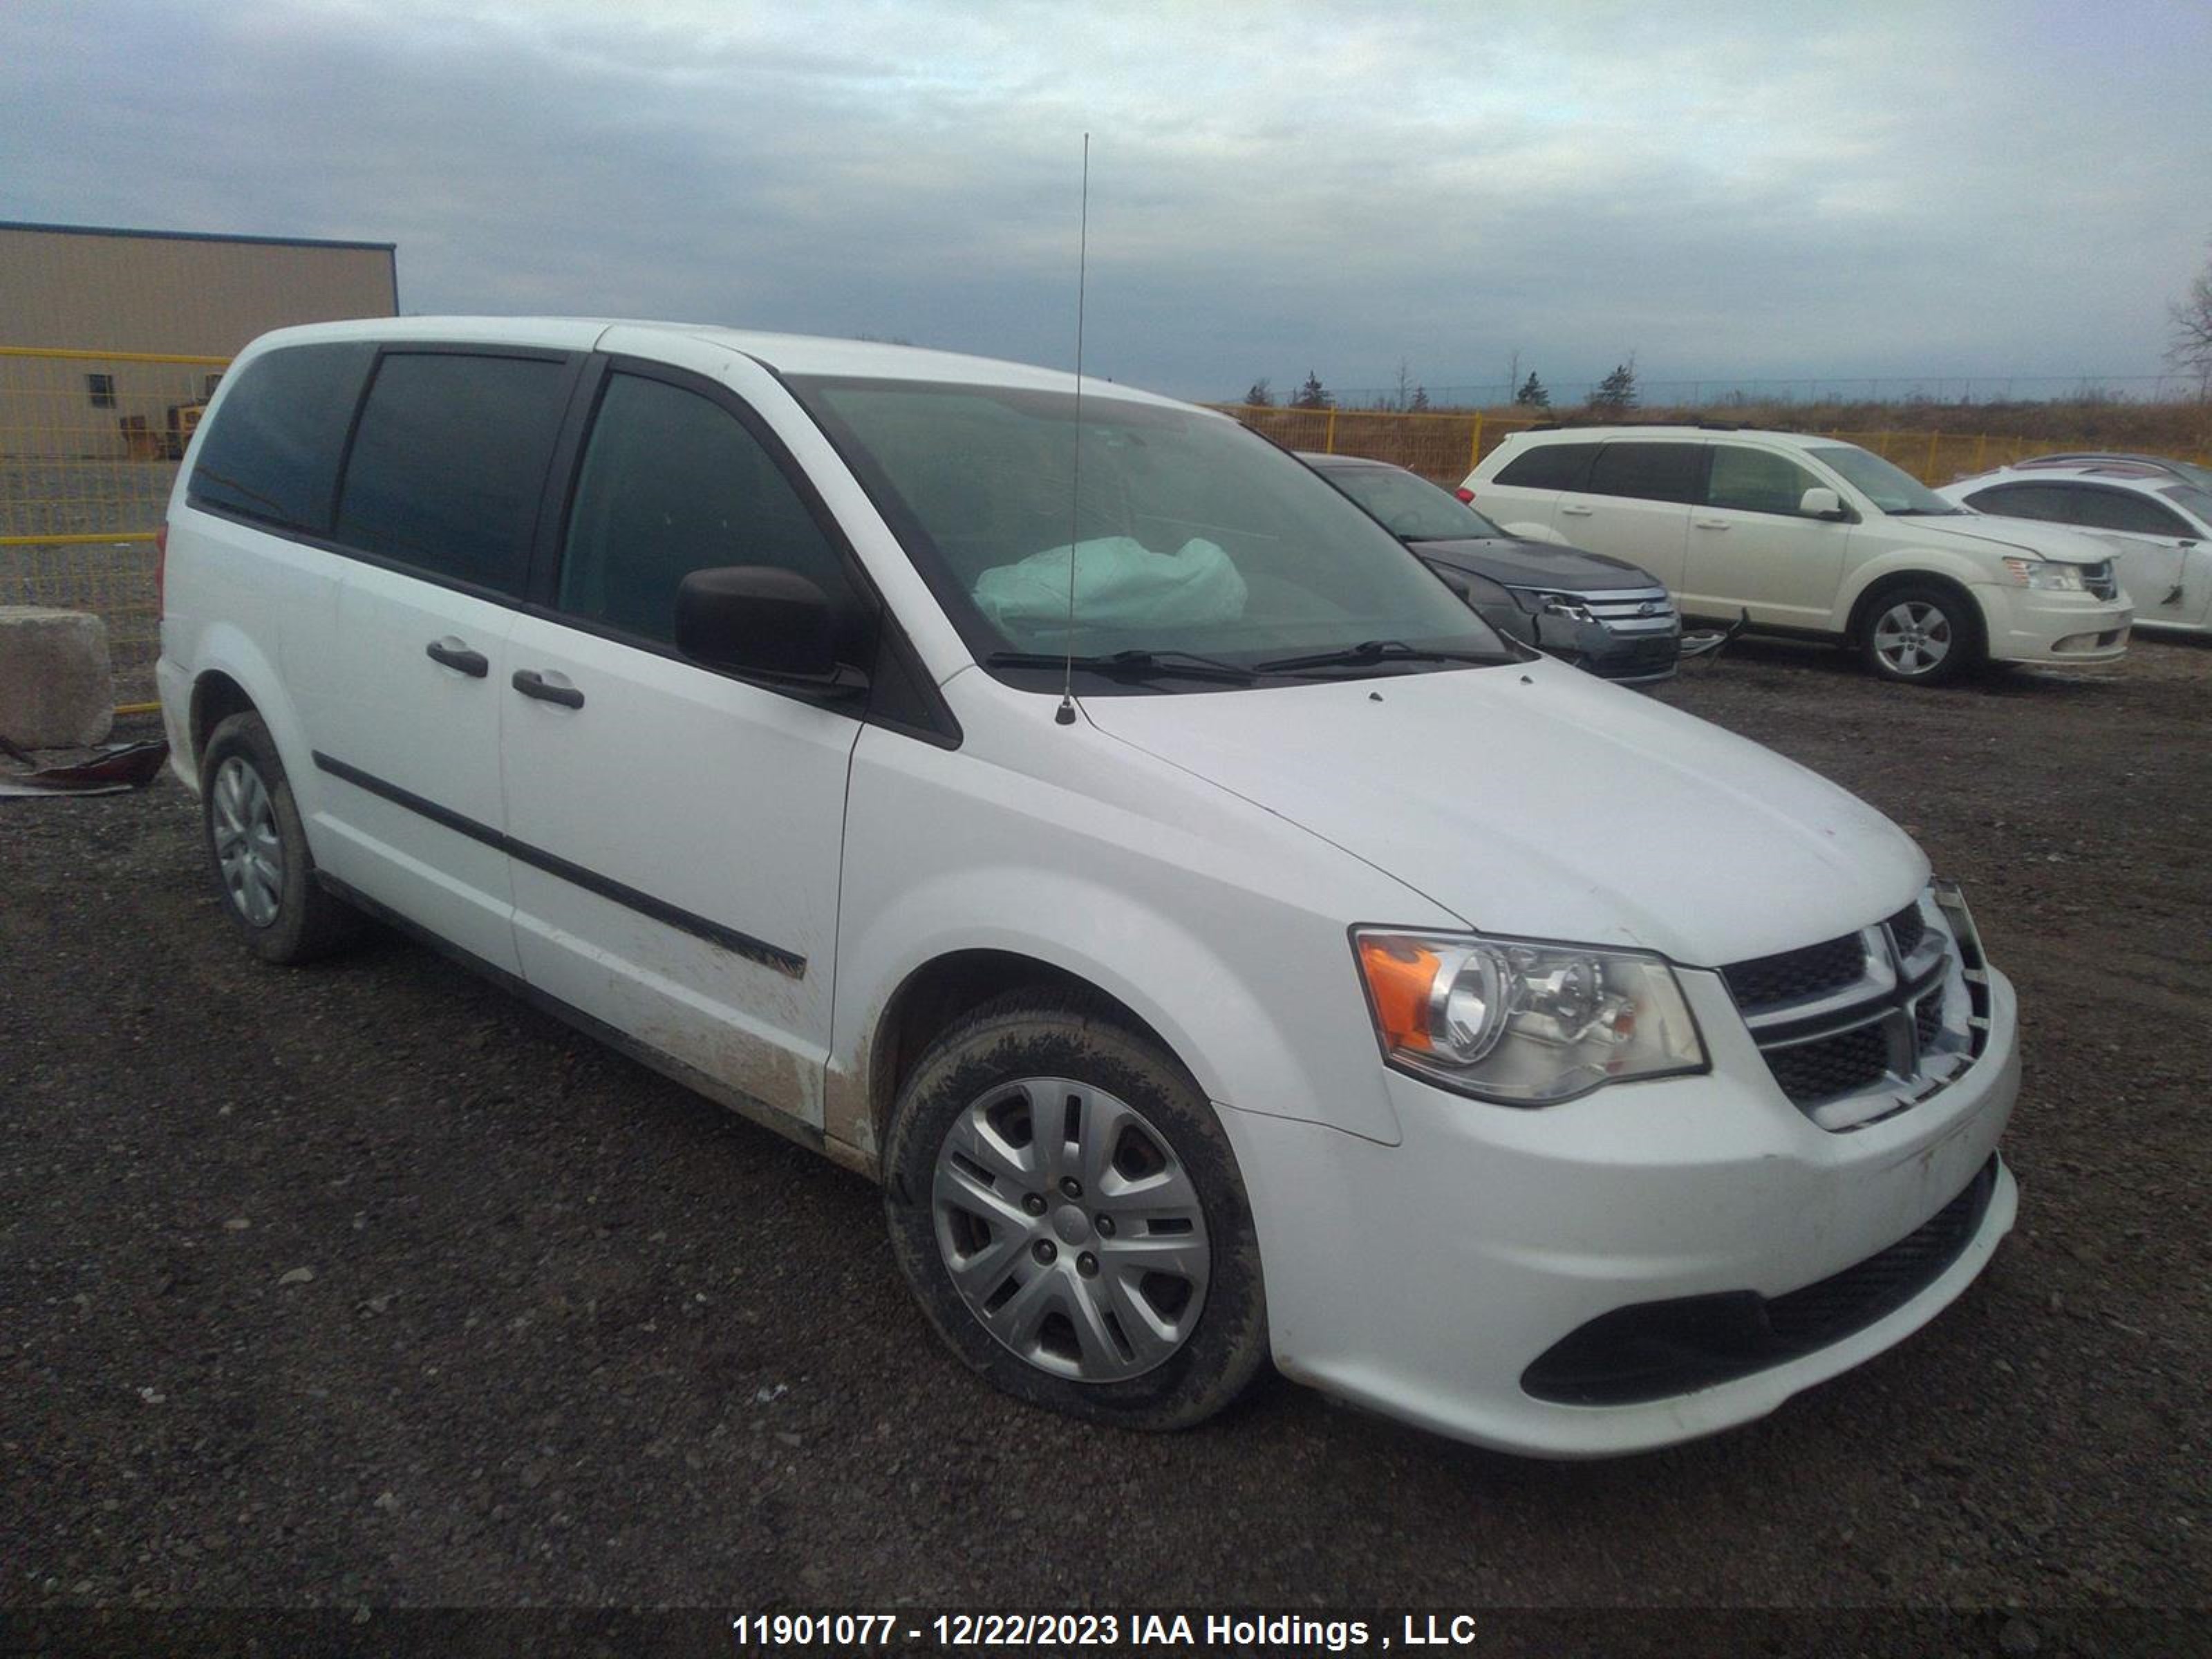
1726, 191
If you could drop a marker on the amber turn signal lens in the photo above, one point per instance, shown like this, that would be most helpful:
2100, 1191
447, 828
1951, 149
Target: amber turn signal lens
1401, 977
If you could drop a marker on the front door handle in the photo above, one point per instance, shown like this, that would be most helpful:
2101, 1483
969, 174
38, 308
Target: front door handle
454, 654
1710, 523
1573, 511
531, 683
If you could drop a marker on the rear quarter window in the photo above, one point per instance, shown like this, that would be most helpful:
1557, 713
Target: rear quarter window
1547, 466
271, 452
449, 461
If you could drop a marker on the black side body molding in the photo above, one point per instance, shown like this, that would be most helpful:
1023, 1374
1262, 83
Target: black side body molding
744, 945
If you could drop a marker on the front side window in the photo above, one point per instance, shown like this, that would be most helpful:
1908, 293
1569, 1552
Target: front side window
1647, 472
1188, 533
672, 483
271, 454
2120, 509
449, 461
1757, 480
2192, 499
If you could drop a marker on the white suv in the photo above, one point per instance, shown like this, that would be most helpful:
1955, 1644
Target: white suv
1811, 537
1216, 939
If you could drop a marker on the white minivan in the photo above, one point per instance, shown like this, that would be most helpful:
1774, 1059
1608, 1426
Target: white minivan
1797, 534
1061, 805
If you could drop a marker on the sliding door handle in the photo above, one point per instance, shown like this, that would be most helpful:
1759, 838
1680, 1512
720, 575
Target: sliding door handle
531, 683
454, 654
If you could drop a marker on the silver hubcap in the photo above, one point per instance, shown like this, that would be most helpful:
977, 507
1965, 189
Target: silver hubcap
247, 848
1913, 637
1071, 1228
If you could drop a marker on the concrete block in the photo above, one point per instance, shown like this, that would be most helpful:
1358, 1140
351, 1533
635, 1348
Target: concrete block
56, 690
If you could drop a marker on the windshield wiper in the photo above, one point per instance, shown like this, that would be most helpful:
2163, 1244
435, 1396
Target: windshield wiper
1185, 665
1374, 651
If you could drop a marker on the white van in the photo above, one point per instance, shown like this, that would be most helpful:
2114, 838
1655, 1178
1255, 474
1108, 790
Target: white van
1218, 942
1812, 537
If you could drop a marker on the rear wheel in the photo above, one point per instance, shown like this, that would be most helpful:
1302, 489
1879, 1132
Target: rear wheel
258, 848
1069, 1211
1922, 635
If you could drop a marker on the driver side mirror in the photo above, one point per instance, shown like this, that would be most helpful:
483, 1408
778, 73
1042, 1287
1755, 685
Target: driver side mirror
764, 622
1822, 502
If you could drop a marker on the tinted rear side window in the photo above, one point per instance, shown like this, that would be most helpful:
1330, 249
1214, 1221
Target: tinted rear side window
271, 453
2017, 501
448, 463
1648, 472
1548, 466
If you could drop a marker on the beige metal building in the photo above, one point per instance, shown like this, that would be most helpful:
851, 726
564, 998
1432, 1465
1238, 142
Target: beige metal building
143, 295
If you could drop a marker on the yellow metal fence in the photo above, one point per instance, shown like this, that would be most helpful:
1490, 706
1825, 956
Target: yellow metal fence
89, 443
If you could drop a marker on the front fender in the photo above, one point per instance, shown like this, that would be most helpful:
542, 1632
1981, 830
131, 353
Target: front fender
1969, 574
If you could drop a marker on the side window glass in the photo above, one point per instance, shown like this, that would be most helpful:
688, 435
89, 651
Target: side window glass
1548, 466
2113, 509
1756, 481
1647, 472
449, 461
2016, 501
672, 483
273, 454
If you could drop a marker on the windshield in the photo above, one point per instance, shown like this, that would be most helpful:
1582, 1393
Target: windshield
1408, 505
1190, 536
1889, 488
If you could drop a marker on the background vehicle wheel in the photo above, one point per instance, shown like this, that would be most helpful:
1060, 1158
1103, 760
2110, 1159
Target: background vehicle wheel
258, 849
1923, 635
1070, 1214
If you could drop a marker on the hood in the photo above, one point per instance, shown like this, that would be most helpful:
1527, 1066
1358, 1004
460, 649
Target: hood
1534, 799
2048, 541
1519, 563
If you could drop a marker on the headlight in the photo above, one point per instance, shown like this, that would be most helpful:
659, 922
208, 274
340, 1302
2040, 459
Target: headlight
2045, 574
1521, 1022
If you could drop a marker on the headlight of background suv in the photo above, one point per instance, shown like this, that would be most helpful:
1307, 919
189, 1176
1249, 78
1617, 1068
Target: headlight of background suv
1521, 1022
2045, 574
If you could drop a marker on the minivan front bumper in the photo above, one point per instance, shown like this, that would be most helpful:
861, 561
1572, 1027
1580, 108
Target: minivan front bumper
1426, 1280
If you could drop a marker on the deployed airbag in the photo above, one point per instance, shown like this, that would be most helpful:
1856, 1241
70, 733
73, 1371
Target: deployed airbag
1119, 583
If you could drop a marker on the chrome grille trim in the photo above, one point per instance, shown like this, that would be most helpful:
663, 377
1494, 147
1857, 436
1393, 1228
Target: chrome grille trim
1618, 608
1906, 1027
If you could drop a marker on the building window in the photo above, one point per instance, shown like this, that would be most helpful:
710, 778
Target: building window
208, 385
102, 388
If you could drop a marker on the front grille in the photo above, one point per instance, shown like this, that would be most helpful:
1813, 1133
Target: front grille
1795, 975
1854, 1029
1653, 1350
1810, 1073
1909, 927
2100, 580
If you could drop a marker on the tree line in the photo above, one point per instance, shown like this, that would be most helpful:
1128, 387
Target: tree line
1615, 394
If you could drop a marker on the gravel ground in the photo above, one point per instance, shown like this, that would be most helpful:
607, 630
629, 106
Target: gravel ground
366, 1285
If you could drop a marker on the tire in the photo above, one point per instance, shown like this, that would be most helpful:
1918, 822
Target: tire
1920, 634
1154, 1318
257, 849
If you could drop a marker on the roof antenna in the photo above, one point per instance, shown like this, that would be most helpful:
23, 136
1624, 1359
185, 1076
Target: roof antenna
1065, 715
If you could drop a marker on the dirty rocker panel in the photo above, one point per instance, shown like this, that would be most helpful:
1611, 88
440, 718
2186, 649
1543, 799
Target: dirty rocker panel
749, 1107
715, 932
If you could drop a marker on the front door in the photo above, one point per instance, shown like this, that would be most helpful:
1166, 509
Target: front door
675, 831
1752, 550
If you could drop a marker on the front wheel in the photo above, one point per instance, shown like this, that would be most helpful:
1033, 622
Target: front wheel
1069, 1211
1922, 635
